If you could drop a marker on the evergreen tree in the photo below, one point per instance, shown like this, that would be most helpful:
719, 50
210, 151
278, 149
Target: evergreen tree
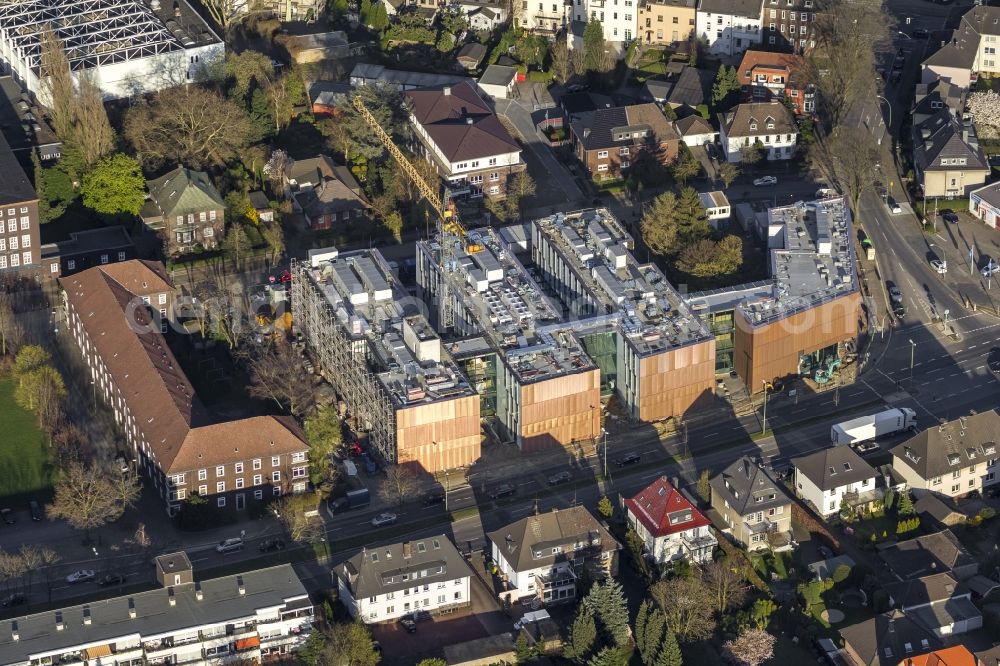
366, 11
261, 117
670, 652
44, 210
693, 220
607, 602
904, 504
656, 625
640, 627
379, 18
593, 47
582, 635
611, 656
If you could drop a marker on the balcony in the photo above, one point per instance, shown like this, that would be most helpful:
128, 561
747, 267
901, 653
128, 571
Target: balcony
699, 548
556, 579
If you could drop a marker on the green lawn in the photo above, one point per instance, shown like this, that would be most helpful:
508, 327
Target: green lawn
22, 452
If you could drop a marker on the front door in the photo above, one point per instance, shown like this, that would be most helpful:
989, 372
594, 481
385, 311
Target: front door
241, 501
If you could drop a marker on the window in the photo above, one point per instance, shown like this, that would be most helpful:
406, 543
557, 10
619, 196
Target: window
275, 461
956, 474
3, 261
601, 154
121, 256
276, 476
972, 483
276, 491
13, 242
298, 472
299, 457
238, 468
257, 479
623, 150
258, 494
54, 268
602, 167
239, 482
202, 490
256, 463
220, 487
208, 232
458, 595
955, 488
202, 474
220, 502
494, 177
211, 215
936, 481
220, 470
625, 164
26, 242
11, 225
753, 126
25, 258
495, 190
493, 161
202, 216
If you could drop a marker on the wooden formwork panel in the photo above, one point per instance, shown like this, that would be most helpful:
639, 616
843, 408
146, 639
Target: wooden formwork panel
562, 410
439, 435
773, 351
674, 382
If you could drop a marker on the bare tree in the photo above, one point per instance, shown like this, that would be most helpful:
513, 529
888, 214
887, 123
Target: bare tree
57, 82
11, 331
126, 487
47, 558
192, 124
299, 515
227, 14
725, 582
92, 130
686, 603
86, 497
275, 375
400, 484
853, 157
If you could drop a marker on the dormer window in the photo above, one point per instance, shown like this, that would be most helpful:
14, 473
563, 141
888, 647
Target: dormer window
753, 126
847, 467
770, 126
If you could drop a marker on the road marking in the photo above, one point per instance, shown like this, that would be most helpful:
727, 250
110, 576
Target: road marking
980, 367
712, 434
851, 395
931, 372
917, 363
972, 346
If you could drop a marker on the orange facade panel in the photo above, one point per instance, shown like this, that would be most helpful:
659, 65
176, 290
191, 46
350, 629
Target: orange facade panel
674, 382
559, 411
439, 435
771, 351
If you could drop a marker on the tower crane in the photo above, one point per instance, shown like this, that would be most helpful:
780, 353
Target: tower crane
447, 216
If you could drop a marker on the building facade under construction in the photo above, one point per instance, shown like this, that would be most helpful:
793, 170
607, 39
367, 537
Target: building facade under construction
374, 346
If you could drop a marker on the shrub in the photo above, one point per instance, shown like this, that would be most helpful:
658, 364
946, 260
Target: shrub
986, 513
840, 574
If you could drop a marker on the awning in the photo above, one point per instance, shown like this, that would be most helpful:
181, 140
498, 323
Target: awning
98, 651
248, 643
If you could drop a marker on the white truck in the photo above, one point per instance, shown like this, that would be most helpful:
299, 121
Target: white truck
866, 428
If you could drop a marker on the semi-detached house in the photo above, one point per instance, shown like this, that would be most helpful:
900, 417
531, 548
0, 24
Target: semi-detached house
383, 583
610, 141
117, 315
729, 27
972, 49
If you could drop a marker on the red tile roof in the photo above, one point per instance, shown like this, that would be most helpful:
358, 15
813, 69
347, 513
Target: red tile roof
664, 510
461, 124
793, 64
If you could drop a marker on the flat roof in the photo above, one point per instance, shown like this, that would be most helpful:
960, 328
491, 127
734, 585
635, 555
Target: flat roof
372, 306
110, 621
812, 262
636, 298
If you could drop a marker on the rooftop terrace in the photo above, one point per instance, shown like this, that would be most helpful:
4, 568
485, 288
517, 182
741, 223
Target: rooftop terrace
812, 259
375, 310
636, 297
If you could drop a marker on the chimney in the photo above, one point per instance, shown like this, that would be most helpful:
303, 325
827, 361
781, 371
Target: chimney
239, 585
171, 598
197, 592
131, 608
965, 134
447, 91
468, 121
586, 132
14, 633
407, 550
59, 621
86, 615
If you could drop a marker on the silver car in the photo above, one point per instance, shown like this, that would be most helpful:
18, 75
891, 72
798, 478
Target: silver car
383, 519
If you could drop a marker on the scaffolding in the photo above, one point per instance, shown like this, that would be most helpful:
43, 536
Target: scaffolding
341, 364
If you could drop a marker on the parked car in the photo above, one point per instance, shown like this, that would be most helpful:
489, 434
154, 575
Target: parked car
15, 599
80, 576
559, 477
111, 579
895, 295
7, 516
271, 544
712, 151
866, 448
503, 490
432, 498
920, 33
899, 310
408, 624
230, 545
989, 270
627, 459
384, 519
949, 216
37, 514
894, 207
939, 266
764, 181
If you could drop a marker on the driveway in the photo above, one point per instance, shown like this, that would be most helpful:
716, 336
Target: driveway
520, 118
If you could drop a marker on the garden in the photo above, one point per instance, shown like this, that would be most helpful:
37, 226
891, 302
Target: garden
23, 457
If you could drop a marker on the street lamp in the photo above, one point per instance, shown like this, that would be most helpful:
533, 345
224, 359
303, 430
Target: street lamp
764, 420
913, 346
605, 434
888, 106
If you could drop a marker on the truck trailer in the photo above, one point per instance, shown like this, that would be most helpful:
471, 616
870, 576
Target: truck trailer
872, 426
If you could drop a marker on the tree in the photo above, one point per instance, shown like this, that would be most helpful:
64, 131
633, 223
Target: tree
86, 497
125, 487
855, 156
692, 217
453, 20
725, 581
364, 13
659, 225
611, 656
687, 607
340, 645
687, 166
670, 651
324, 432
594, 48
727, 83
390, 110
41, 391
393, 222
379, 19
245, 69
582, 636
57, 82
29, 358
274, 236
434, 661
705, 258
605, 507
751, 155
524, 652
92, 129
192, 125
607, 602
560, 60
520, 187
11, 332
400, 484
848, 35
299, 515
274, 375
236, 245
114, 186
752, 648
227, 14
650, 639
728, 173
904, 505
761, 612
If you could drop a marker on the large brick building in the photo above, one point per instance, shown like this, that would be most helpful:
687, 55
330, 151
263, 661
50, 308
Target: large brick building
19, 242
611, 140
117, 315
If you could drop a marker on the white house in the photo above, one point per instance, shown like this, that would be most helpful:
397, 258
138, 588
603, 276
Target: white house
953, 459
768, 125
716, 205
832, 476
386, 582
696, 131
498, 81
984, 203
618, 18
544, 556
970, 50
670, 526
545, 17
729, 27
939, 602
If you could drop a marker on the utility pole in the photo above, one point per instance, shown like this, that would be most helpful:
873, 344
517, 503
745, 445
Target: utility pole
764, 420
913, 346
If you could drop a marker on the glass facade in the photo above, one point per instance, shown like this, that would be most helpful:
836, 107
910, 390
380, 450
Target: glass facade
723, 328
603, 349
482, 374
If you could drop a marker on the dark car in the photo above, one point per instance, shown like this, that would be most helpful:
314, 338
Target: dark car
559, 478
418, 616
503, 490
271, 544
713, 152
899, 310
36, 511
949, 216
7, 516
627, 459
993, 360
430, 499
15, 599
408, 624
111, 579
920, 33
